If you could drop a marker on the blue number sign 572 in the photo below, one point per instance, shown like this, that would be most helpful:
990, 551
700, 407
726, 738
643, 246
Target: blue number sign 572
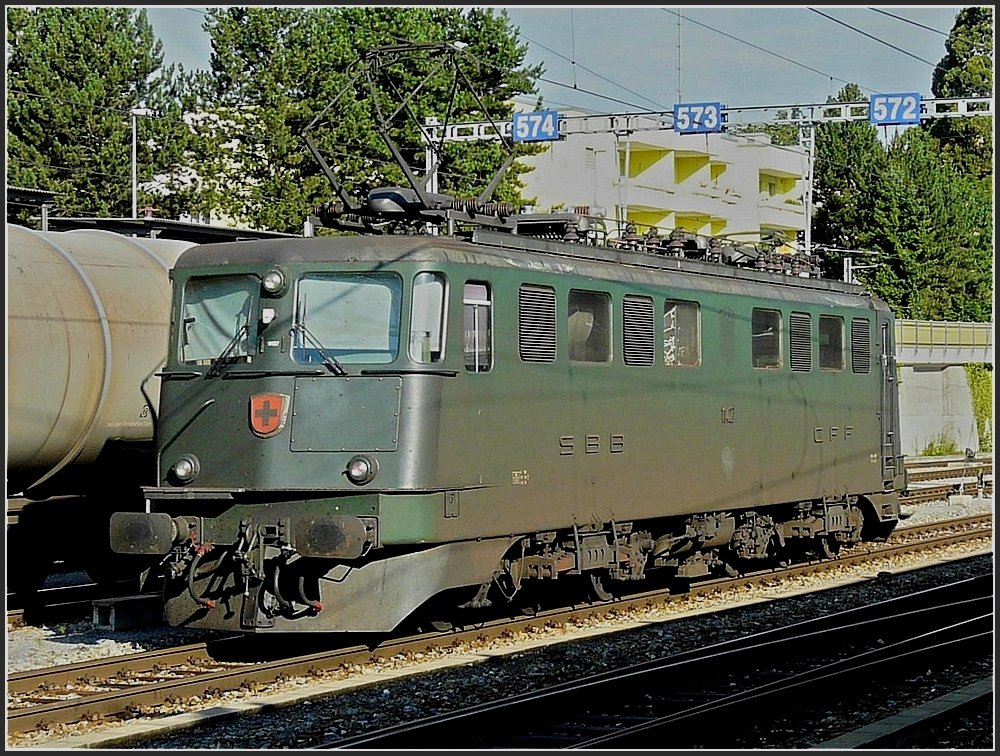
539, 126
891, 109
697, 117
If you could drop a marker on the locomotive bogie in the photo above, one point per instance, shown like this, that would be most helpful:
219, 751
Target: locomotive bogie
404, 399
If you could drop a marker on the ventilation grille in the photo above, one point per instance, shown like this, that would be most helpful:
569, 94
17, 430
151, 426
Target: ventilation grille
536, 324
801, 342
639, 324
861, 358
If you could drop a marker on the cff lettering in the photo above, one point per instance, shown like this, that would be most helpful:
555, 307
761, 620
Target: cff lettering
833, 433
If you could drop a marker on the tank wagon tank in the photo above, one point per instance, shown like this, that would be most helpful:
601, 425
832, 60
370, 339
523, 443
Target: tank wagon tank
351, 426
87, 321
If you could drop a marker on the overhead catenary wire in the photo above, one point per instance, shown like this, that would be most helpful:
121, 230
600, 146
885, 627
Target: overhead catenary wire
909, 21
873, 37
765, 50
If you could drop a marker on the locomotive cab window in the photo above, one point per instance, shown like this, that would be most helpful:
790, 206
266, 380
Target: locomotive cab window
353, 317
681, 333
831, 342
427, 318
765, 343
219, 316
477, 326
589, 326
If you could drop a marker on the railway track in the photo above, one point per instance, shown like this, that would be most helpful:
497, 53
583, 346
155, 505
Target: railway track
145, 683
813, 664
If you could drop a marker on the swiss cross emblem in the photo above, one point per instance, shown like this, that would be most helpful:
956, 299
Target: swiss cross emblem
268, 413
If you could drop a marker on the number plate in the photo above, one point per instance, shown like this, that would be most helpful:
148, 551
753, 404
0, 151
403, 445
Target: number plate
539, 126
697, 117
893, 109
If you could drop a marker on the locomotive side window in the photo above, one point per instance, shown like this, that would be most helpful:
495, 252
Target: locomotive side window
352, 316
216, 318
831, 342
589, 326
765, 344
536, 323
861, 350
681, 333
477, 326
427, 318
638, 330
800, 342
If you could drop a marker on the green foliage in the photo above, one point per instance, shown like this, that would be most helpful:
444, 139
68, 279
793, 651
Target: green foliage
927, 214
848, 179
275, 69
942, 446
980, 379
73, 75
966, 70
933, 228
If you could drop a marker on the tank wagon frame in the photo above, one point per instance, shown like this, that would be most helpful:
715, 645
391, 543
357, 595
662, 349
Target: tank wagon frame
620, 413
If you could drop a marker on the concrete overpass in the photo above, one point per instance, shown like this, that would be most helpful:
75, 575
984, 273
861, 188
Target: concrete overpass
935, 401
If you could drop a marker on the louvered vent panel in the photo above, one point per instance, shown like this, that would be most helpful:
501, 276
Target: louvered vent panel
861, 357
639, 324
536, 324
801, 342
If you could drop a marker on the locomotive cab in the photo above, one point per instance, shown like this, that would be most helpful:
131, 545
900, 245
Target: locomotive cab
298, 391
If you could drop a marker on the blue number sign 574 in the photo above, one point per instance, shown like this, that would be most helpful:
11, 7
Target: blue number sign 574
539, 126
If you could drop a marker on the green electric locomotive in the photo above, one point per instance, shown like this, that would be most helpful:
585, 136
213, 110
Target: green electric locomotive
464, 400
349, 426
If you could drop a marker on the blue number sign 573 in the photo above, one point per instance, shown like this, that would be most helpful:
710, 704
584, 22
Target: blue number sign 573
697, 117
539, 126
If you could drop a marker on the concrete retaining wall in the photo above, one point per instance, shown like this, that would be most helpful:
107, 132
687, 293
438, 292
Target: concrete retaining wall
935, 403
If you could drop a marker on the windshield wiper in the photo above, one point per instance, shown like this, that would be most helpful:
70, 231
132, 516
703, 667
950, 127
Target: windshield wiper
299, 324
213, 369
328, 359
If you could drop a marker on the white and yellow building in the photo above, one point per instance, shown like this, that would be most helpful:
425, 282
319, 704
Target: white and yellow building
638, 169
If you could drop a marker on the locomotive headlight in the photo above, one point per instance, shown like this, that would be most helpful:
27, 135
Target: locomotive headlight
361, 469
185, 469
275, 281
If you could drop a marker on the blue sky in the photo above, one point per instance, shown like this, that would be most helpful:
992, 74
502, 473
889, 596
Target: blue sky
740, 56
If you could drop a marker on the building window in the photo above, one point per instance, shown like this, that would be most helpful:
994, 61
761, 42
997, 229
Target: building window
477, 326
831, 342
427, 318
589, 315
800, 342
681, 333
861, 357
536, 323
765, 341
638, 331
